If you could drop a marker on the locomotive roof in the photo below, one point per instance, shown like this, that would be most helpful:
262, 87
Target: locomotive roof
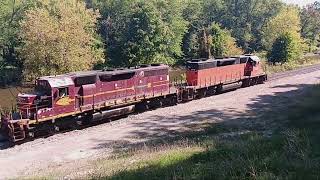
58, 81
211, 60
117, 71
200, 61
67, 79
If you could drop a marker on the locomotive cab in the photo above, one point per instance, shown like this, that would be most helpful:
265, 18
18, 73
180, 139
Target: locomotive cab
29, 104
52, 95
253, 66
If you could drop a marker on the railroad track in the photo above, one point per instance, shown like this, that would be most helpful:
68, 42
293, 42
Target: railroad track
276, 76
304, 70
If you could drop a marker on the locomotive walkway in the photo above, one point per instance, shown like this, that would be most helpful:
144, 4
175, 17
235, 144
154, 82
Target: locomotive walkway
238, 107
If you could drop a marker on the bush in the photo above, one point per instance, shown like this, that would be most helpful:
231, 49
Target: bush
286, 47
9, 75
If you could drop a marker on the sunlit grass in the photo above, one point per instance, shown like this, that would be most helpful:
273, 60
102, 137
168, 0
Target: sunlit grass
299, 63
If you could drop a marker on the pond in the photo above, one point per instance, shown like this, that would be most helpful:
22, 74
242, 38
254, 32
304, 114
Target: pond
9, 95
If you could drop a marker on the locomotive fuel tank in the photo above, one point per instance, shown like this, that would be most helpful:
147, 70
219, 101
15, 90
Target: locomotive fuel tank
98, 116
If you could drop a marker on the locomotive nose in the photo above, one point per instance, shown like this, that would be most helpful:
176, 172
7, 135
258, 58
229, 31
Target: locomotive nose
26, 98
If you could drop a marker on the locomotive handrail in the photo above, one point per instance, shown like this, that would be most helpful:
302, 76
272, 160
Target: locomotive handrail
32, 107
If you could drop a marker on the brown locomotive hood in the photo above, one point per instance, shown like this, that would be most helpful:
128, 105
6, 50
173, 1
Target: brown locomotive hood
26, 98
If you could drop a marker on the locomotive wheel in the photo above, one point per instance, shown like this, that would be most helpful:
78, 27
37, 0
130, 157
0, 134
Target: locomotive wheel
168, 101
31, 132
246, 83
211, 91
219, 89
142, 106
261, 79
253, 81
4, 133
202, 93
155, 103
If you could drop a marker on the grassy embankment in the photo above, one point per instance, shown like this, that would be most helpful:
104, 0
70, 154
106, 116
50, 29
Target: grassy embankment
302, 62
291, 150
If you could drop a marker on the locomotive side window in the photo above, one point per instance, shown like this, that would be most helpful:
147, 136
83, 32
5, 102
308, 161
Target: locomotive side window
243, 60
63, 92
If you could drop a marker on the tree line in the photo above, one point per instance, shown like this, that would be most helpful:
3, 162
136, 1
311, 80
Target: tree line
46, 37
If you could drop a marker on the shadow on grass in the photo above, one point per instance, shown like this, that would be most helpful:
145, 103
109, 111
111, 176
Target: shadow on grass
263, 114
276, 138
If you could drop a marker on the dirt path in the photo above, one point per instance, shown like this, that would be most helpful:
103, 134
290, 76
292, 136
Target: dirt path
101, 140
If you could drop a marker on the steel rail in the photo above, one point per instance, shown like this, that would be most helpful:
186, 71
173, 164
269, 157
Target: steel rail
300, 71
272, 77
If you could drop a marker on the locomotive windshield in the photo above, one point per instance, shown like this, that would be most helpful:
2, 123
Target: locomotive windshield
254, 58
43, 88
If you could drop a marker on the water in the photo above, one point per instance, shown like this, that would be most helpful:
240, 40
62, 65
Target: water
8, 96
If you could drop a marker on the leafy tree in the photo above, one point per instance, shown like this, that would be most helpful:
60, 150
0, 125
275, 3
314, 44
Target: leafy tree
154, 33
200, 14
243, 18
288, 20
310, 22
286, 47
112, 24
11, 12
138, 31
246, 18
59, 36
222, 43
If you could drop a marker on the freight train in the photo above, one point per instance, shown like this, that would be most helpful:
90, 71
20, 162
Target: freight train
92, 96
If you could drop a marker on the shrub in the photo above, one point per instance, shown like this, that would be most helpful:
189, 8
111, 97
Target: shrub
222, 43
286, 47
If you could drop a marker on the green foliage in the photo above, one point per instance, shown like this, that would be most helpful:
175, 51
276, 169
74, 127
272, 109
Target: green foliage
246, 18
59, 36
310, 23
222, 44
288, 20
11, 12
286, 47
133, 32
154, 33
142, 32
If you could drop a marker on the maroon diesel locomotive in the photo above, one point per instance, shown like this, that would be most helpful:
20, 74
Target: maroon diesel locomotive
84, 97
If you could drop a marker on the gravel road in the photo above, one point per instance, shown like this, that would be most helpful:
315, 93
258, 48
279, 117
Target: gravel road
102, 140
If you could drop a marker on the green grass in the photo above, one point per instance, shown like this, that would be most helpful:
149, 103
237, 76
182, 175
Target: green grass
291, 152
247, 157
305, 61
